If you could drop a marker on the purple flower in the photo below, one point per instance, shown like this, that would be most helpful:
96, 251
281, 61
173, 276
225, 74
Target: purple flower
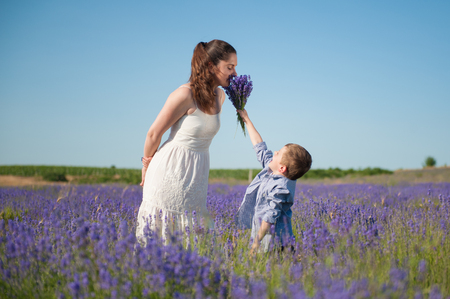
74, 288
238, 92
85, 279
435, 293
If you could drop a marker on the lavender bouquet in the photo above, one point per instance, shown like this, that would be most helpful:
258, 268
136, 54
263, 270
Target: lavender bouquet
238, 92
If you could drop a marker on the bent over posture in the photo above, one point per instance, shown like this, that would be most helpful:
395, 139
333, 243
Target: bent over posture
175, 176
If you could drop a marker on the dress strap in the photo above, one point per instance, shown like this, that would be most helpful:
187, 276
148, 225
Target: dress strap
185, 86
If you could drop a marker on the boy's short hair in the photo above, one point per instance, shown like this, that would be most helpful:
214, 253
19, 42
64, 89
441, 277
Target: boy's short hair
297, 161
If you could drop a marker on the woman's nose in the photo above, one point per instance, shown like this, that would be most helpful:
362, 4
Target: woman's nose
234, 73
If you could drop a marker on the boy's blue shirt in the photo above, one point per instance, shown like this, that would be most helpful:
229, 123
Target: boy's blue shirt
269, 197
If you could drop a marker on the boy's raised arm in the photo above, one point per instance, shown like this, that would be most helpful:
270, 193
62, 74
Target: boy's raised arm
254, 135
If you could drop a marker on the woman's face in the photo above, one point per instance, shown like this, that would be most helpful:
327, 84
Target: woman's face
224, 70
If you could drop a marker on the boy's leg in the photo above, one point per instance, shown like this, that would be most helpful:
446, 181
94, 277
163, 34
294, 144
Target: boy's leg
289, 248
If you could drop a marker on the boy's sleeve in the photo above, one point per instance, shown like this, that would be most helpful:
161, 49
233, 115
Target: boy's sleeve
275, 199
263, 155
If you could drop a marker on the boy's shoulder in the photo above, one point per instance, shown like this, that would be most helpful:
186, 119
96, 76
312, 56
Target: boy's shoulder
281, 182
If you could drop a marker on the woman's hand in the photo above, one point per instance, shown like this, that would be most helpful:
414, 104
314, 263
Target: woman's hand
145, 163
144, 170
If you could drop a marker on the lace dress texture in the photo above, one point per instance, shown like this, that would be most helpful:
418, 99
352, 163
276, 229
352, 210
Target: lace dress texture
176, 180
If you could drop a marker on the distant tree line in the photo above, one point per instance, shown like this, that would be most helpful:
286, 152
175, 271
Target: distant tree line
97, 175
83, 175
339, 173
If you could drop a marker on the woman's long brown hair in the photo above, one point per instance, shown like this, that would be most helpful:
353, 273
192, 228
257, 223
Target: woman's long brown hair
202, 81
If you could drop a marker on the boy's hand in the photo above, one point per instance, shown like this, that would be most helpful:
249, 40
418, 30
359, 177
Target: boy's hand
244, 115
254, 249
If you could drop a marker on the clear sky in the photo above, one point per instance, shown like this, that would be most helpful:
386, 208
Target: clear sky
357, 83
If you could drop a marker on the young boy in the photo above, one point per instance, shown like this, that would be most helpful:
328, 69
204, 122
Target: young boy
268, 199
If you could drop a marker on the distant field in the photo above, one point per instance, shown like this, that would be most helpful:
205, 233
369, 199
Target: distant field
96, 175
81, 175
398, 177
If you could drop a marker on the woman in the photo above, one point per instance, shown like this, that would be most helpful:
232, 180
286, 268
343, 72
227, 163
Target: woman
175, 177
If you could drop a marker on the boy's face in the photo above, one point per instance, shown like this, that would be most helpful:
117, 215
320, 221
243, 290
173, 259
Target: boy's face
275, 165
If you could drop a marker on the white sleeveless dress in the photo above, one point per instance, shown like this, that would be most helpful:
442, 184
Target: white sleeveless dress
176, 181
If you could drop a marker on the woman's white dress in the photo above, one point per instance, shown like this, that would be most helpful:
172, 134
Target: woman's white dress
176, 181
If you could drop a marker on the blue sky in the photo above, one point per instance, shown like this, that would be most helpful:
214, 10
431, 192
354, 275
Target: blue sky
357, 83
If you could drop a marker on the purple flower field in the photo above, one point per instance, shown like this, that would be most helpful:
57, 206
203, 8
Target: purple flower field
352, 241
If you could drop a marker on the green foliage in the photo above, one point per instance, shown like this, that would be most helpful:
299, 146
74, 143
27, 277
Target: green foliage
54, 176
242, 174
82, 175
238, 174
430, 162
41, 170
339, 173
10, 214
96, 175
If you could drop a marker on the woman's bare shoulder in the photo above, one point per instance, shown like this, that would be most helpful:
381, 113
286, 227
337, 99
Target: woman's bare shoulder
221, 95
182, 94
183, 99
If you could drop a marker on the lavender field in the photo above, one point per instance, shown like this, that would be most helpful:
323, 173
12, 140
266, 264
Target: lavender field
352, 241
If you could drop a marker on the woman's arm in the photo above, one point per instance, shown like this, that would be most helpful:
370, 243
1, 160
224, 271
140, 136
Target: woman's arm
177, 104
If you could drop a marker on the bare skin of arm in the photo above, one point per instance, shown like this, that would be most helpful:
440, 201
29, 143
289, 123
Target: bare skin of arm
265, 227
252, 132
178, 103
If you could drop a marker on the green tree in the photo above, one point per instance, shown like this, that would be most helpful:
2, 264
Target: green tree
430, 162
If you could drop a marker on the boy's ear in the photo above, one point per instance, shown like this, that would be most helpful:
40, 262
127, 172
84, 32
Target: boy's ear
282, 169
